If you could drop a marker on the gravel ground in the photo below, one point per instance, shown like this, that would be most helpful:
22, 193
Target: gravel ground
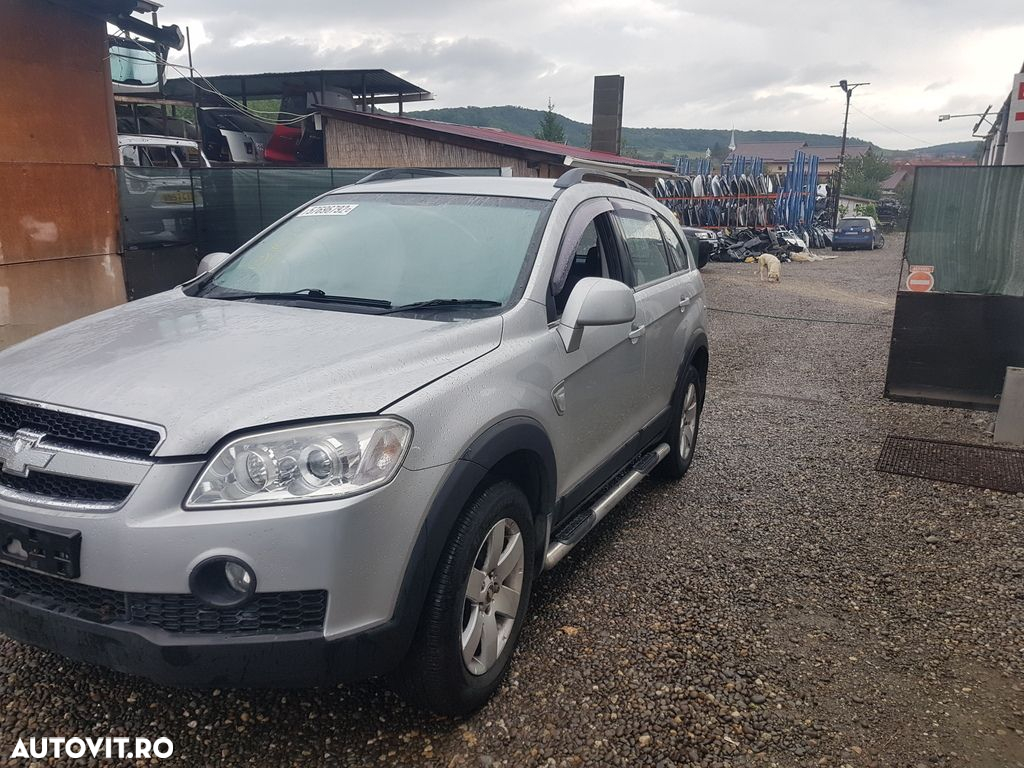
784, 605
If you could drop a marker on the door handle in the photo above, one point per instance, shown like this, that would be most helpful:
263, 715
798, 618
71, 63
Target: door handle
684, 302
636, 333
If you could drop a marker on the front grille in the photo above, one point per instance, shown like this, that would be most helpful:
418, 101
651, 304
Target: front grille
180, 614
75, 428
66, 489
269, 612
67, 597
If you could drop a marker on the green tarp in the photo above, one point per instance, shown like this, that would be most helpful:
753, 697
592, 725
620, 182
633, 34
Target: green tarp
968, 224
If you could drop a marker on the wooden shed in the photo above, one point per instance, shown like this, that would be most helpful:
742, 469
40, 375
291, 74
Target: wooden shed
366, 140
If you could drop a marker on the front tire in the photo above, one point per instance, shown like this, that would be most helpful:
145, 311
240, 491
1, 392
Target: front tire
687, 404
475, 608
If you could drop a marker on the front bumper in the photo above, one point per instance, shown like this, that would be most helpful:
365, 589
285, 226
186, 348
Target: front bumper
855, 241
303, 659
130, 609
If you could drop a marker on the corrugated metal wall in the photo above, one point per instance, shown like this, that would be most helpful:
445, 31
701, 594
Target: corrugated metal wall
58, 192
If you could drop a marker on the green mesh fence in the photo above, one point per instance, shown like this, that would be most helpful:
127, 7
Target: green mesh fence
218, 209
158, 207
237, 203
967, 223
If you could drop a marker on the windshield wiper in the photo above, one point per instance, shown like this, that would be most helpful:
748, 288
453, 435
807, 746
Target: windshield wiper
306, 294
442, 304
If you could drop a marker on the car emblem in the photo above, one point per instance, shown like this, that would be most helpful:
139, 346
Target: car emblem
21, 453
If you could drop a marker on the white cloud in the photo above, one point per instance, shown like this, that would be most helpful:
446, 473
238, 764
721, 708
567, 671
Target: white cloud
746, 63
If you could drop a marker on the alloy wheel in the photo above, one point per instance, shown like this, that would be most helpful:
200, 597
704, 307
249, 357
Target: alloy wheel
493, 596
688, 429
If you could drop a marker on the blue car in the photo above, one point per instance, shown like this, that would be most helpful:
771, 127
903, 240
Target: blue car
857, 233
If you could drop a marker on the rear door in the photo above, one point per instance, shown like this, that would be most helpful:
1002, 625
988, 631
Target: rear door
667, 285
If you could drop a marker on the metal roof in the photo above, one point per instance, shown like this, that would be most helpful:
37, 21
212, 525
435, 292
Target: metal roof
497, 137
782, 151
372, 82
894, 180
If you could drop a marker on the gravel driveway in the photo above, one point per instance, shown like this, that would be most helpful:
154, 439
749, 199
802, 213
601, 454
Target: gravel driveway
783, 605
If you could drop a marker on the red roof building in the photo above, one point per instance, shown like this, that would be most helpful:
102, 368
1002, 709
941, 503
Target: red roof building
368, 140
778, 154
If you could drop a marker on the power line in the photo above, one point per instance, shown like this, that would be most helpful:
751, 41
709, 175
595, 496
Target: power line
889, 127
212, 89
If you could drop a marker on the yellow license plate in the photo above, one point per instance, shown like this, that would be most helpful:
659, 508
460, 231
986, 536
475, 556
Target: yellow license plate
176, 197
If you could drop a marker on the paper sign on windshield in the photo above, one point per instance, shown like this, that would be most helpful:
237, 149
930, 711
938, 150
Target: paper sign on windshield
330, 210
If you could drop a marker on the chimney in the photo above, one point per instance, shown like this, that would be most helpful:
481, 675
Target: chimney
606, 127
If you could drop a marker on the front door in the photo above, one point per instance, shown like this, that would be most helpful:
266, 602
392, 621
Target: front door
599, 384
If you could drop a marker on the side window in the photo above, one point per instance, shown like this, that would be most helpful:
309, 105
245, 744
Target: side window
676, 250
644, 246
158, 157
592, 256
130, 156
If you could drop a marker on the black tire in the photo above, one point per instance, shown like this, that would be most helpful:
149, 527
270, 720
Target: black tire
675, 465
433, 674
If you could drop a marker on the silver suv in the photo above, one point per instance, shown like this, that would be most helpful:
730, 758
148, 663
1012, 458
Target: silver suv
349, 448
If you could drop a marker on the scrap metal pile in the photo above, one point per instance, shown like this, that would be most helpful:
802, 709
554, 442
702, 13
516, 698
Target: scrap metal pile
749, 211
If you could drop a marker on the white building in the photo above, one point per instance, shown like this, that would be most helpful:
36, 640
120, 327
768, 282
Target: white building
1004, 144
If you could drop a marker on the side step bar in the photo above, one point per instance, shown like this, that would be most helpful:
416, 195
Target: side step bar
585, 523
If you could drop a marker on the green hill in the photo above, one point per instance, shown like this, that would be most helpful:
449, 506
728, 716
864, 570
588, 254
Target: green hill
649, 143
954, 149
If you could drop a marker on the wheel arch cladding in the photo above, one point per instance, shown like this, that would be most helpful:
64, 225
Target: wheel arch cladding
697, 355
517, 449
701, 359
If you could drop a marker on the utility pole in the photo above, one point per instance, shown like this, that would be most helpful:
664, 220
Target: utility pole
848, 90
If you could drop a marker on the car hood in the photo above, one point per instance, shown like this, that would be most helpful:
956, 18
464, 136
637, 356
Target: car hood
204, 368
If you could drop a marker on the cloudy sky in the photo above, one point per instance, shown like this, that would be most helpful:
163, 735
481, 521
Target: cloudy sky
751, 64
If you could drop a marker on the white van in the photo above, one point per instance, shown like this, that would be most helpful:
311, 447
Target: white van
140, 151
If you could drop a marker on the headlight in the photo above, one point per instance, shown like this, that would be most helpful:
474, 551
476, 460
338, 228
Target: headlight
321, 461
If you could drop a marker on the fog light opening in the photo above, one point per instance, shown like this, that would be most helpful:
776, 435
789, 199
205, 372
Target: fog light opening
223, 582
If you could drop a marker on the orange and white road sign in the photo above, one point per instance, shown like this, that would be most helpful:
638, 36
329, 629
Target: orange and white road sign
921, 279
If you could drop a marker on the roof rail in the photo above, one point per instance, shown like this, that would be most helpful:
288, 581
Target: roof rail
388, 174
576, 175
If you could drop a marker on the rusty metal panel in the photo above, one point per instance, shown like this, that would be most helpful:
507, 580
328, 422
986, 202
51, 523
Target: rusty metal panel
37, 296
56, 212
56, 102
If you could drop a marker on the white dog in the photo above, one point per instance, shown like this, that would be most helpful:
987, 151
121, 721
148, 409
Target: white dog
769, 266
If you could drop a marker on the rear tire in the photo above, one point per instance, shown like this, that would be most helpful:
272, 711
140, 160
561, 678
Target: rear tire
475, 608
687, 404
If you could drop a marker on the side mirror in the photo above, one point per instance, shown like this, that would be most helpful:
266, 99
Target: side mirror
211, 261
595, 301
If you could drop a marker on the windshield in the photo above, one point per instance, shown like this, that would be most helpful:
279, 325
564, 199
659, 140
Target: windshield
397, 248
131, 65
